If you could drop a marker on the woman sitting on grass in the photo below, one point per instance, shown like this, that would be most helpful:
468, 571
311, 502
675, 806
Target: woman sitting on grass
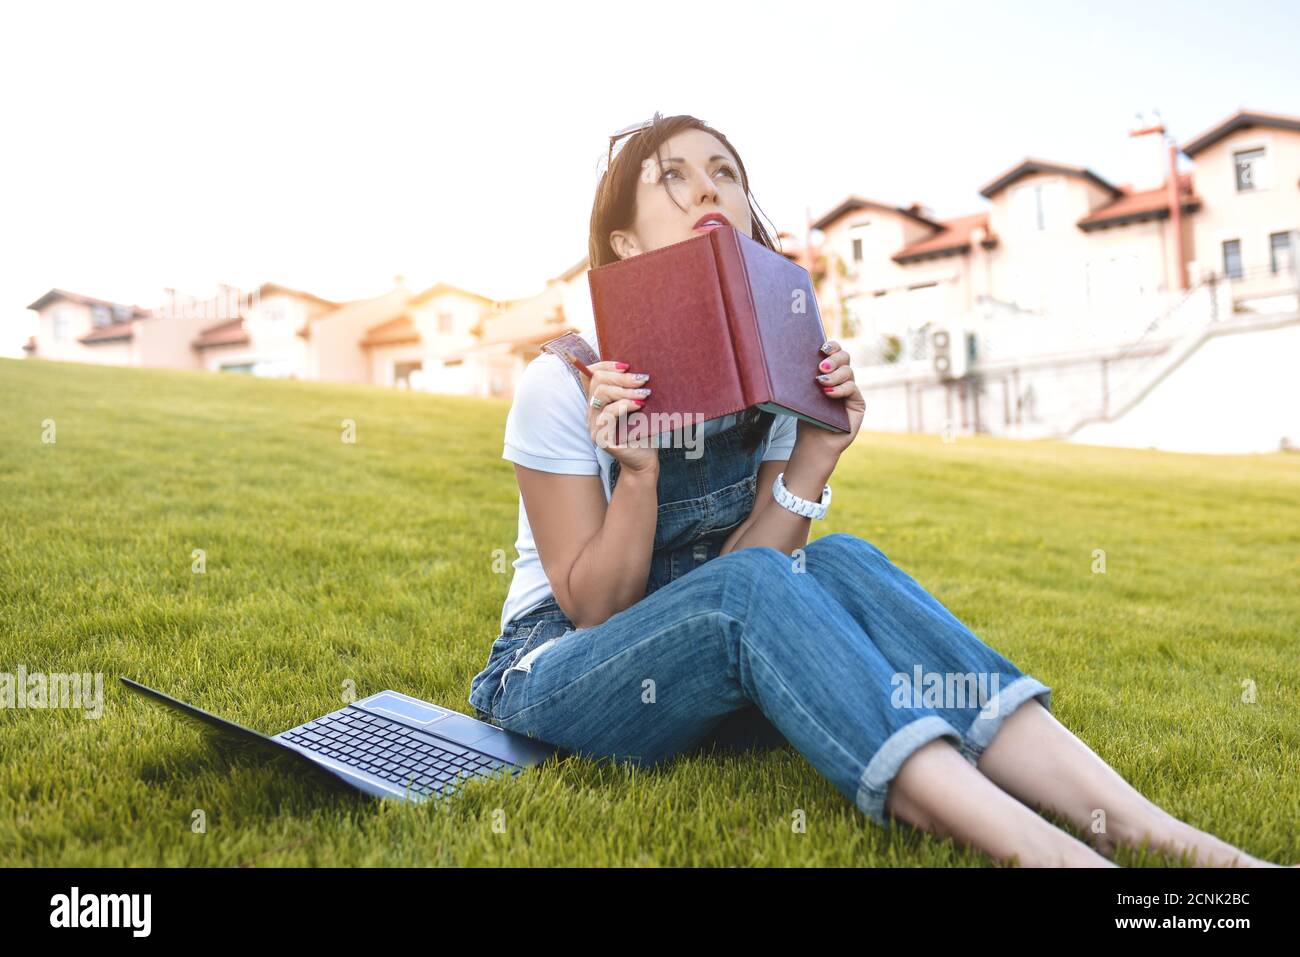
663, 600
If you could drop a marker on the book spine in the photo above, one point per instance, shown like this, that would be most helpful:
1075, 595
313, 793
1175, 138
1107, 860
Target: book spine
742, 317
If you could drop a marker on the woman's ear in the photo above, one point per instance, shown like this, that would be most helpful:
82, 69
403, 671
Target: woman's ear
623, 244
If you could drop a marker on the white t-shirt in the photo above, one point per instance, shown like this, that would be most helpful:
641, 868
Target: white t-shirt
546, 429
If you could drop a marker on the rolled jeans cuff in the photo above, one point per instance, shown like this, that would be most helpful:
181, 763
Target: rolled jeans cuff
986, 724
873, 787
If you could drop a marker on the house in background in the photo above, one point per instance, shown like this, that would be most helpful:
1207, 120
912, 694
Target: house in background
1248, 176
331, 342
512, 335
407, 347
395, 351
891, 268
1056, 240
79, 328
442, 339
1073, 307
1060, 245
510, 339
263, 337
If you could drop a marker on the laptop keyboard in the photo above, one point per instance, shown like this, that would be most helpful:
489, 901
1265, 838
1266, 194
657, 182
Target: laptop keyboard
386, 749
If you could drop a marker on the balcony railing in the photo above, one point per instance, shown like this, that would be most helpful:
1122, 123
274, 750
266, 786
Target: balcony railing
1263, 289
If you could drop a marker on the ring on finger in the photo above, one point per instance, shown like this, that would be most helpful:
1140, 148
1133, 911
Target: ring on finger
597, 402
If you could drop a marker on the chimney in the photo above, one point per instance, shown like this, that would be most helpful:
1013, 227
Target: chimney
1155, 164
1147, 156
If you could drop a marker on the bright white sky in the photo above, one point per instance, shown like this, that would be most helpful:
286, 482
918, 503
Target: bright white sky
329, 146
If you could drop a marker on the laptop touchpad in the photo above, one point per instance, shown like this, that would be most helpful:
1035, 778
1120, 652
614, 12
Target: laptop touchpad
419, 713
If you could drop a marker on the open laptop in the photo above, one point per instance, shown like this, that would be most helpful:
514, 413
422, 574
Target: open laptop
388, 745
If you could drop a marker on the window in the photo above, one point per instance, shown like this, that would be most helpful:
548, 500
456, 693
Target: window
1232, 258
444, 322
100, 316
857, 233
1249, 165
1281, 253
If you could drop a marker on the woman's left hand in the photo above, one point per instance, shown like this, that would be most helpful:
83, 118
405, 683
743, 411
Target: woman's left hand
838, 384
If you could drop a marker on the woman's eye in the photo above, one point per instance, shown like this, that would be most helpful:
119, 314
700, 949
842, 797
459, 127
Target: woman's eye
721, 169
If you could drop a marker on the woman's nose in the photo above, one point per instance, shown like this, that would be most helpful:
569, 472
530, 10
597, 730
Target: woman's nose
708, 190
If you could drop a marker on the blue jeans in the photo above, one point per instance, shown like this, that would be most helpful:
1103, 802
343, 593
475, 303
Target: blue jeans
838, 649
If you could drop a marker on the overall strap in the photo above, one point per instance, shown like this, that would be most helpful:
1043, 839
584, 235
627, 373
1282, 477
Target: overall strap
572, 346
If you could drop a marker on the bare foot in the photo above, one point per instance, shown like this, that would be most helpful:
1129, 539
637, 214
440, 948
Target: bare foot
1172, 836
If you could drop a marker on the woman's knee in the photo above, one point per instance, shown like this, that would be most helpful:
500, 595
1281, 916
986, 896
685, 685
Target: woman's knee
838, 543
842, 551
769, 584
759, 562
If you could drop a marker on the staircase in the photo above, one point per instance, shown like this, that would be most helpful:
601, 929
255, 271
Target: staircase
1205, 311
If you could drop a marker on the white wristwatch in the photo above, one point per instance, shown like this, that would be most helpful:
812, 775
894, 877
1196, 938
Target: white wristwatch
800, 506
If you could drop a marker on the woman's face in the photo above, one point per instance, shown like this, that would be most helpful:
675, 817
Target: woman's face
704, 179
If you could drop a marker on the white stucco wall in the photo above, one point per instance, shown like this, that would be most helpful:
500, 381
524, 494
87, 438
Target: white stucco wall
1239, 392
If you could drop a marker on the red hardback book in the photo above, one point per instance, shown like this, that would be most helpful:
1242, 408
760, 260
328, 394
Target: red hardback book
721, 323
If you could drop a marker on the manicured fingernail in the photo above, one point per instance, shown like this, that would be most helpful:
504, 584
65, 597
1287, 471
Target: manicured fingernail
823, 378
826, 346
828, 388
639, 402
620, 366
826, 365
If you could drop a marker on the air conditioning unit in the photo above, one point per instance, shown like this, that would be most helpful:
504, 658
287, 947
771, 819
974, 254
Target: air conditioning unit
948, 352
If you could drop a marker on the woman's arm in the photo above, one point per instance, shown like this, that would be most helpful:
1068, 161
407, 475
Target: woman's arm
813, 459
596, 555
806, 474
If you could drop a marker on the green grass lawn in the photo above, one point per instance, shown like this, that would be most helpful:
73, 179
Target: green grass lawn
373, 563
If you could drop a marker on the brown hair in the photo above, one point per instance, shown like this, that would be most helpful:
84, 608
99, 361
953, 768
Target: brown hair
615, 208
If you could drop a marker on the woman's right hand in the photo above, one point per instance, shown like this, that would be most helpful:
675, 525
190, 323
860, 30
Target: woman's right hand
622, 392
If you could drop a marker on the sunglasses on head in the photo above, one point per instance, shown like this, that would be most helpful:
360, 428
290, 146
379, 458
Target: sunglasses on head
626, 131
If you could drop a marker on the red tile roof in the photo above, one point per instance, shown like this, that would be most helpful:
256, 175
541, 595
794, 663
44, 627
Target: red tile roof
392, 333
228, 333
1242, 119
113, 332
1135, 207
954, 236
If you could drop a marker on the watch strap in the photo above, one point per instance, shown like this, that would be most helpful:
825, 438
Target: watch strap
800, 506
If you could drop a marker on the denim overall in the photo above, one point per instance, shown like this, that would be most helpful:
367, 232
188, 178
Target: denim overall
829, 653
702, 498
